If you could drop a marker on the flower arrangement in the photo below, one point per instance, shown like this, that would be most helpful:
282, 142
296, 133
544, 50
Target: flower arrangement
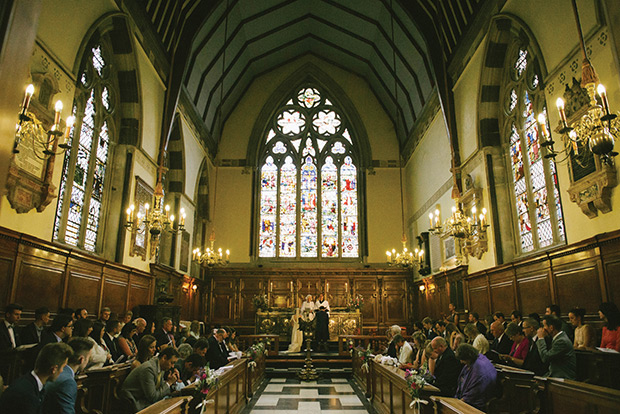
260, 302
254, 352
364, 355
416, 382
355, 302
207, 380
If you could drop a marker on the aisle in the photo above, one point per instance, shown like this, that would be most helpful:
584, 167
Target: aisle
287, 395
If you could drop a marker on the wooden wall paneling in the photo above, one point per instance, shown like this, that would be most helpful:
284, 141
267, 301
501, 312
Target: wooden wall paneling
308, 286
578, 286
248, 288
394, 301
115, 290
6, 276
502, 294
140, 290
281, 292
369, 289
534, 293
612, 270
223, 298
39, 283
83, 290
478, 292
338, 292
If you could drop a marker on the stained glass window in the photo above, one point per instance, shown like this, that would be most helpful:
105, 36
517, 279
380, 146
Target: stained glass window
309, 200
81, 194
536, 192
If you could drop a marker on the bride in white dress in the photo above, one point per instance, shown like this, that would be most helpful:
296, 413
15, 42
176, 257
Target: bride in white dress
297, 336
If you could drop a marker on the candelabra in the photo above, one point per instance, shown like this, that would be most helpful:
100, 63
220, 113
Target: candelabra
212, 257
406, 258
155, 220
44, 143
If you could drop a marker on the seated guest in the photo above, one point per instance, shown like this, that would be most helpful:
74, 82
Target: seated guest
440, 330
391, 333
216, 355
405, 352
185, 350
478, 340
126, 344
146, 350
560, 356
188, 369
231, 341
182, 336
101, 354
201, 346
456, 339
532, 361
501, 343
451, 329
165, 335
81, 313
418, 327
520, 345
194, 333
140, 329
517, 317
499, 316
488, 320
475, 319
25, 394
60, 330
428, 328
476, 383
112, 328
61, 394
9, 334
31, 334
82, 328
125, 318
146, 384
418, 351
429, 359
555, 311
104, 316
585, 337
609, 313
447, 367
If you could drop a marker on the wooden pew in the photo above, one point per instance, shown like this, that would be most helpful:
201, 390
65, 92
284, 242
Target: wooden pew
272, 342
561, 396
173, 405
446, 405
517, 390
16, 362
256, 375
378, 344
599, 368
361, 375
390, 392
102, 386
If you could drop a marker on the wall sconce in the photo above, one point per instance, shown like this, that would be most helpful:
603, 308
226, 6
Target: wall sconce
422, 288
195, 287
432, 287
185, 287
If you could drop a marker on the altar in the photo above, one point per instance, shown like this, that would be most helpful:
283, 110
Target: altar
278, 322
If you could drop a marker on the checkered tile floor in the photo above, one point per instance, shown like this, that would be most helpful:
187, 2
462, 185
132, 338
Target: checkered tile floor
287, 396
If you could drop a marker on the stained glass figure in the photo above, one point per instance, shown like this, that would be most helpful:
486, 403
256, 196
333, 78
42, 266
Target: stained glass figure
309, 193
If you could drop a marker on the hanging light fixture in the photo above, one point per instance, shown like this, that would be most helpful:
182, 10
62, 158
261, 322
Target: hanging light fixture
211, 256
596, 129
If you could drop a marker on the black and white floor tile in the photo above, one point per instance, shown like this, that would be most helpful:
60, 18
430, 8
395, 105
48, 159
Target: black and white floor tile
288, 396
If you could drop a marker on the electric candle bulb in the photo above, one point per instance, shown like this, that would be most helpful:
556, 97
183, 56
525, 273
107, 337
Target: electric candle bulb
69, 124
560, 104
603, 94
27, 97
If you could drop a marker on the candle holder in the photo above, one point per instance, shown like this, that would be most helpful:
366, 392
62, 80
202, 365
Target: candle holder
212, 257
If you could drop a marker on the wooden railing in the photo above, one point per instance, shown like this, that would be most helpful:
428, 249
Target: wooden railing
256, 374
445, 405
272, 342
378, 344
361, 374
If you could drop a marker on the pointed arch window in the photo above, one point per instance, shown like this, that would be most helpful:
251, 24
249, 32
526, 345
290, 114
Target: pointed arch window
534, 179
308, 182
81, 192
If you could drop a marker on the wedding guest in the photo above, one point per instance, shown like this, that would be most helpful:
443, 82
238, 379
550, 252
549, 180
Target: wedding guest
391, 333
140, 328
189, 368
25, 394
9, 334
447, 367
185, 350
146, 350
609, 313
201, 346
440, 330
112, 329
477, 380
194, 333
499, 316
231, 341
520, 345
517, 317
501, 343
125, 341
566, 328
101, 354
405, 352
532, 361
81, 313
104, 316
475, 319
419, 340
428, 328
560, 356
31, 334
61, 394
585, 337
216, 356
165, 335
478, 340
60, 330
456, 340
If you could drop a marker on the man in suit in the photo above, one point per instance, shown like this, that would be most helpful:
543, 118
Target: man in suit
165, 335
188, 368
447, 367
475, 319
532, 361
9, 334
440, 329
112, 329
501, 344
215, 356
566, 327
517, 317
560, 356
201, 346
25, 394
61, 394
60, 331
148, 384
392, 332
81, 313
104, 316
499, 316
140, 328
31, 334
428, 328
322, 328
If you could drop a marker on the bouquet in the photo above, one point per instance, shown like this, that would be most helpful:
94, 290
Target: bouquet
416, 382
364, 356
260, 301
207, 380
355, 302
254, 352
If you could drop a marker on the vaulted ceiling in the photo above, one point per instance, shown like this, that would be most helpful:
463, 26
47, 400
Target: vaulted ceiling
400, 47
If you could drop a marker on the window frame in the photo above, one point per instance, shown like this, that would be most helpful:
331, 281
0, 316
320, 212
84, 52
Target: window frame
307, 132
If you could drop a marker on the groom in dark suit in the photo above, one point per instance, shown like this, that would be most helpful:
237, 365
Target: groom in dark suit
25, 394
560, 356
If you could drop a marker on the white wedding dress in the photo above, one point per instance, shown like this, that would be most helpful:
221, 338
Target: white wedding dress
297, 336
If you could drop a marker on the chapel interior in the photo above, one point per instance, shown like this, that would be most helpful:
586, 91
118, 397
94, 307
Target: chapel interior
221, 160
